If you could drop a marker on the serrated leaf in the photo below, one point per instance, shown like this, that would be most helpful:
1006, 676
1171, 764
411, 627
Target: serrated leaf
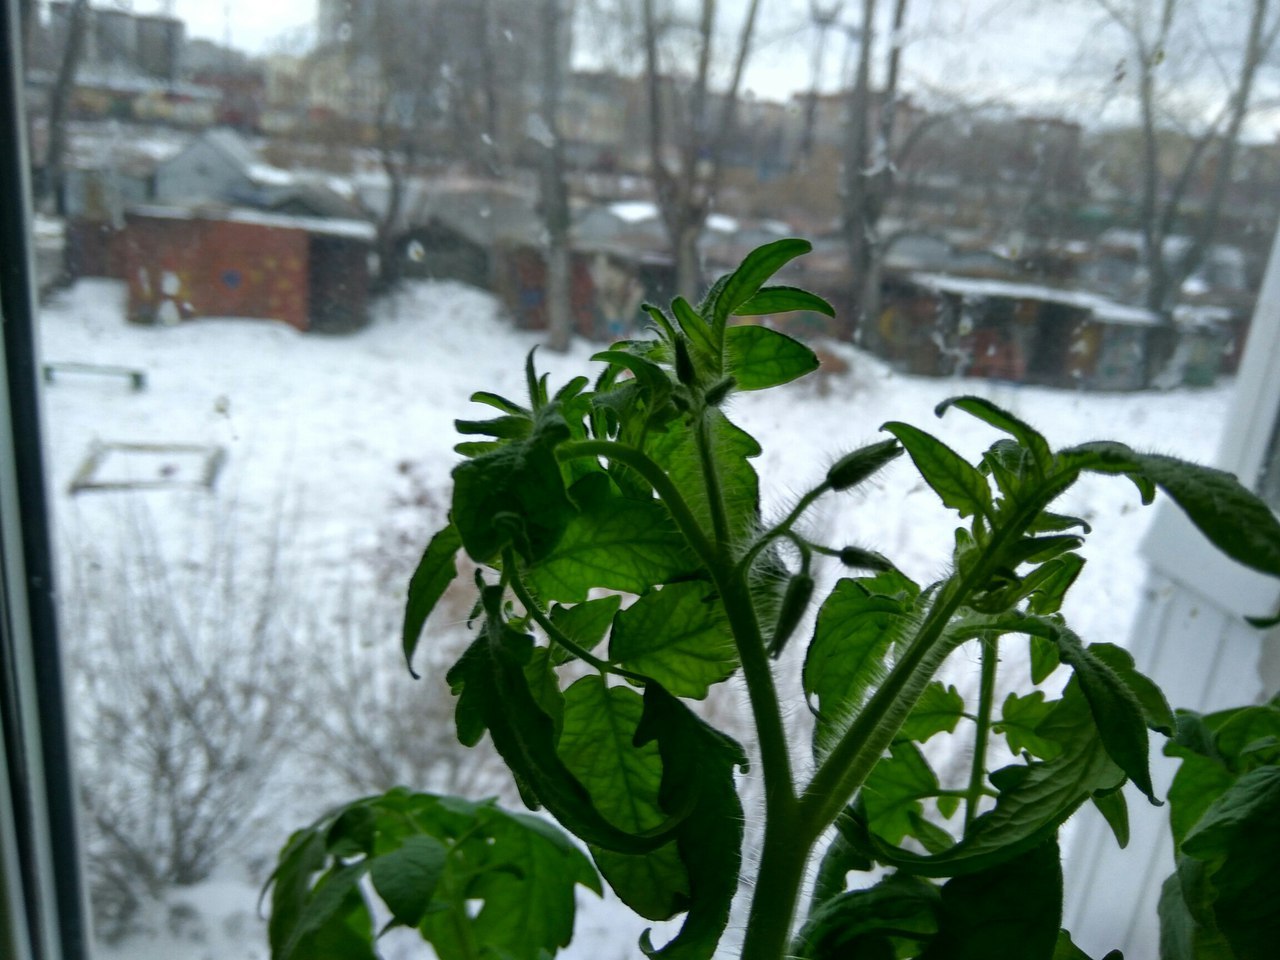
597, 744
698, 765
584, 623
783, 299
1020, 719
743, 284
1116, 710
851, 638
1026, 435
678, 636
513, 495
528, 891
938, 710
958, 483
759, 358
1034, 800
613, 542
406, 877
894, 790
1010, 910
490, 678
435, 572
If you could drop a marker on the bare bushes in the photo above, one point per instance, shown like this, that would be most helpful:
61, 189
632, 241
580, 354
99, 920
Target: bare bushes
184, 668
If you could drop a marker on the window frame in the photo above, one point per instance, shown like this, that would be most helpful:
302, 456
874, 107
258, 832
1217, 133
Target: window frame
42, 897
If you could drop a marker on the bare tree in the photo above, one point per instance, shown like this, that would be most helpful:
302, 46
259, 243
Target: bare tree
869, 164
1148, 34
686, 181
824, 18
555, 193
48, 185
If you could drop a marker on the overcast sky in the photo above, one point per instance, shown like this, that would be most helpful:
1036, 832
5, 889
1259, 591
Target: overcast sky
1050, 56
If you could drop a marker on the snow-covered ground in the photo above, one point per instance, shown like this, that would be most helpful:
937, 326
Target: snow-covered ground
324, 428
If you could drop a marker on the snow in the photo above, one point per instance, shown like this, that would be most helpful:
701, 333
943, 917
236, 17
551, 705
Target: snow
326, 226
330, 421
634, 211
266, 174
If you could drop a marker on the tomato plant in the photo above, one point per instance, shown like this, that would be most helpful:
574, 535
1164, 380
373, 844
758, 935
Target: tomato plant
624, 569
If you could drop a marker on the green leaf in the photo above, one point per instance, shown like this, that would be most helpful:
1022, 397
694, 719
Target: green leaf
698, 764
678, 636
513, 495
503, 428
1067, 950
500, 403
732, 450
1182, 937
783, 299
435, 572
1117, 710
302, 857
1010, 910
598, 745
700, 336
1019, 720
490, 677
851, 639
1115, 810
334, 923
988, 412
1029, 808
901, 907
938, 710
528, 890
584, 623
406, 877
1044, 659
1049, 584
1155, 708
894, 791
1230, 516
744, 283
614, 542
760, 358
960, 485
1238, 840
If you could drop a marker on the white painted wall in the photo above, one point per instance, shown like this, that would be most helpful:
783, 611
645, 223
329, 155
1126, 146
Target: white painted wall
1191, 638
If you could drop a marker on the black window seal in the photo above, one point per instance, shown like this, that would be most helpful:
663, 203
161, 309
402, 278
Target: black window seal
38, 776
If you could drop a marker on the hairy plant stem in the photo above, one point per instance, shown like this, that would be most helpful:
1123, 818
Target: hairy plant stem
986, 694
859, 749
783, 858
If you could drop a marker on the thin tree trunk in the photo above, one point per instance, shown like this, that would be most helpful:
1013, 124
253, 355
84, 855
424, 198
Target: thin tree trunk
555, 195
856, 160
49, 185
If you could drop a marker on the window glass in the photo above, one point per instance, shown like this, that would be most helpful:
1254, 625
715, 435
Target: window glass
280, 245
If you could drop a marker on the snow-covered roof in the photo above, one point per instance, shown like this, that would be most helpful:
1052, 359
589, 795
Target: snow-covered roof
323, 226
1101, 307
267, 175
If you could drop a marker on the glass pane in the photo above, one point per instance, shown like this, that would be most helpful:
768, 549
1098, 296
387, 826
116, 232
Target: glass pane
282, 245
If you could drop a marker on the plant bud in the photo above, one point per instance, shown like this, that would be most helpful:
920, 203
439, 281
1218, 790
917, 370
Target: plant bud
794, 603
718, 391
684, 363
861, 559
853, 468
